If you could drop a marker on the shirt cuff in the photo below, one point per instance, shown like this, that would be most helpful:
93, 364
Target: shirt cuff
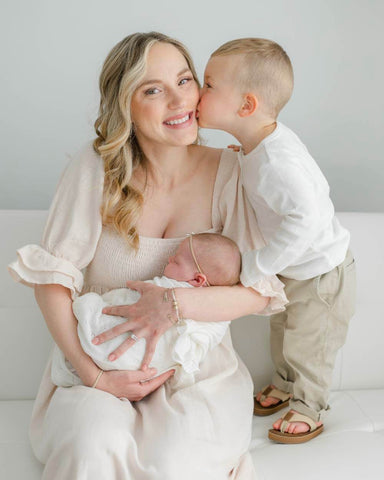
265, 285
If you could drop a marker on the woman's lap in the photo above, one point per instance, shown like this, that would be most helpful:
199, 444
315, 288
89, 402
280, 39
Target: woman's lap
197, 432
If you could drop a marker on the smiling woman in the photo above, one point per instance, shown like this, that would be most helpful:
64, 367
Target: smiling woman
163, 107
122, 208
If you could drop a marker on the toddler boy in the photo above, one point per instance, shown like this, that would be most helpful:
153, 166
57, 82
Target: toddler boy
247, 83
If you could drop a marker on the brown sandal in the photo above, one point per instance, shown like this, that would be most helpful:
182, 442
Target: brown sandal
269, 391
281, 436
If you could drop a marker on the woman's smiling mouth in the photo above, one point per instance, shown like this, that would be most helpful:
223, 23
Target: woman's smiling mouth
180, 121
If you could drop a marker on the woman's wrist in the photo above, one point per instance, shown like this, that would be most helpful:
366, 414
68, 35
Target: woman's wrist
88, 371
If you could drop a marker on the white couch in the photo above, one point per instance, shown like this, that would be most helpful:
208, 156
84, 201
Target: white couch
352, 445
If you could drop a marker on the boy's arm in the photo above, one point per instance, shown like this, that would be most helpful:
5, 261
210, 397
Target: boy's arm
289, 194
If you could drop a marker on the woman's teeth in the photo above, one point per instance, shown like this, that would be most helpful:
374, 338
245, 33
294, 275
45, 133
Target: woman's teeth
180, 120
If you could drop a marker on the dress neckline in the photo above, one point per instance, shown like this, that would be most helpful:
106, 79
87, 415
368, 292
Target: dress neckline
172, 239
215, 217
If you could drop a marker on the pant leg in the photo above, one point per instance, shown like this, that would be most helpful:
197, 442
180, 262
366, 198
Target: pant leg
316, 327
284, 374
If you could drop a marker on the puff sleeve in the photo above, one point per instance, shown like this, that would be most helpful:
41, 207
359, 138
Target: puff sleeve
72, 230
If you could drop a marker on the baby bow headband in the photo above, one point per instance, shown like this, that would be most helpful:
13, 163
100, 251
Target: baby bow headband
190, 235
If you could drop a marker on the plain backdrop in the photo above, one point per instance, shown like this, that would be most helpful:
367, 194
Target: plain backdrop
52, 52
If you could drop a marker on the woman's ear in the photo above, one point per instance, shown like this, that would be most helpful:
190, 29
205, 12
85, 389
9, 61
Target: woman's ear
249, 105
199, 280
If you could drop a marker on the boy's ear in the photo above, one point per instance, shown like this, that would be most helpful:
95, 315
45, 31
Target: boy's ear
249, 105
199, 280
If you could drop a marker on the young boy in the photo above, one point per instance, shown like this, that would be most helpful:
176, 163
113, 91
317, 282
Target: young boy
247, 83
203, 259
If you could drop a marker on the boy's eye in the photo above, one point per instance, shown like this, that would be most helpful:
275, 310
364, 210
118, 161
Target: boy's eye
208, 85
152, 91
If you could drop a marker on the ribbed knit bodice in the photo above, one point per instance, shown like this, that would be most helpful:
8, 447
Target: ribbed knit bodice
115, 262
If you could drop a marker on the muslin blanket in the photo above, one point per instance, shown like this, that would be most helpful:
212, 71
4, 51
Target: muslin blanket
183, 346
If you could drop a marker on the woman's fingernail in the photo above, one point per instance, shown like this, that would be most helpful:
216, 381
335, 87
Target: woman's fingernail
95, 341
112, 357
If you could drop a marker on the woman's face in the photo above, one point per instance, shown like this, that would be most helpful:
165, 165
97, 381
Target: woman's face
163, 107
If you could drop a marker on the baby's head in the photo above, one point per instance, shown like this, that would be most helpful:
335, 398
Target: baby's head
205, 259
242, 77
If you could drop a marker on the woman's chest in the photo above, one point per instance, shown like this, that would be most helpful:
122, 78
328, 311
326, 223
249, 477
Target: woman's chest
173, 214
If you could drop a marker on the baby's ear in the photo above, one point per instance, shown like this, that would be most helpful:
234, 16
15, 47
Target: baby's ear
249, 105
199, 280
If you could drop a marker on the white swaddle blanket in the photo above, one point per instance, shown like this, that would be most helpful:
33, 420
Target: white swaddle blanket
183, 346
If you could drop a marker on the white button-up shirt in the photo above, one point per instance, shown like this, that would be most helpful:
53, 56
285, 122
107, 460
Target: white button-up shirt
290, 197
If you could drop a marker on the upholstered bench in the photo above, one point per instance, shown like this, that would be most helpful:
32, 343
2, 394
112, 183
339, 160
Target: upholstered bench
352, 445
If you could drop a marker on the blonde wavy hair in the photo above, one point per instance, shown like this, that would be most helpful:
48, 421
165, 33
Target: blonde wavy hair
116, 143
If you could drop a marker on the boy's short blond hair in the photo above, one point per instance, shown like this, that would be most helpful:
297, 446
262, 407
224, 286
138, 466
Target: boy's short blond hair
267, 70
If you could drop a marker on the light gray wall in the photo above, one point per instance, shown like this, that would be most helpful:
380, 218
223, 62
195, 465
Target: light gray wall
52, 51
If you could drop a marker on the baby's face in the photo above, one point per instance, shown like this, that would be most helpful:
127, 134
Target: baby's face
220, 97
181, 266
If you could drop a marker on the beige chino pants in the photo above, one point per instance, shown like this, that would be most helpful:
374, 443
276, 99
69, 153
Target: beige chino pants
305, 337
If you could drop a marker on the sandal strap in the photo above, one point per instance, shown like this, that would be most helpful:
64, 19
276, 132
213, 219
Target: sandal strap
268, 391
290, 417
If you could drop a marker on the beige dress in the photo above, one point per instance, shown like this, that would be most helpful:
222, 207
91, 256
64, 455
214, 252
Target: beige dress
199, 432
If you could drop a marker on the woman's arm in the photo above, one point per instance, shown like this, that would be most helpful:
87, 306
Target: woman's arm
219, 304
56, 306
149, 317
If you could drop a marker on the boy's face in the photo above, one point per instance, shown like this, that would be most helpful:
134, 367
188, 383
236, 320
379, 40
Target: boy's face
181, 266
220, 97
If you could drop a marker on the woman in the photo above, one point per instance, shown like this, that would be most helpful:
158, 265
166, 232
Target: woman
121, 209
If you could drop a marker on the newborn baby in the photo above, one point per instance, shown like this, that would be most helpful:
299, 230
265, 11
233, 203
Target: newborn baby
204, 259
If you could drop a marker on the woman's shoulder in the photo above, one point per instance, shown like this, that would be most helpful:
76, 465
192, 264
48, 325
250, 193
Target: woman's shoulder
85, 162
222, 155
87, 157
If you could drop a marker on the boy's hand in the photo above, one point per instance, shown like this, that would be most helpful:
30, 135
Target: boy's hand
235, 148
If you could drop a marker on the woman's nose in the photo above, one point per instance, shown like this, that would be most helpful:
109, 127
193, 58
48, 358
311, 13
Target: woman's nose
177, 100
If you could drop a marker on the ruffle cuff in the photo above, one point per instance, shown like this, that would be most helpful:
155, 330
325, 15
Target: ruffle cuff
34, 265
271, 287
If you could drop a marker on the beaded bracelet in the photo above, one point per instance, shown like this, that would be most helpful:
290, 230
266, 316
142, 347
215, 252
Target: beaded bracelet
175, 306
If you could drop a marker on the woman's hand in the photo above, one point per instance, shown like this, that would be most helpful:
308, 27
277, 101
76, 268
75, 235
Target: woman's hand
148, 318
133, 385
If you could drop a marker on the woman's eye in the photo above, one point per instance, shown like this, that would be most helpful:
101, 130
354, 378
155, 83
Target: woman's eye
152, 91
183, 81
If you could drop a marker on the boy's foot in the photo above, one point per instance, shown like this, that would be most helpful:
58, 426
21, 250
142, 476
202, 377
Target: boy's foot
295, 428
270, 400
